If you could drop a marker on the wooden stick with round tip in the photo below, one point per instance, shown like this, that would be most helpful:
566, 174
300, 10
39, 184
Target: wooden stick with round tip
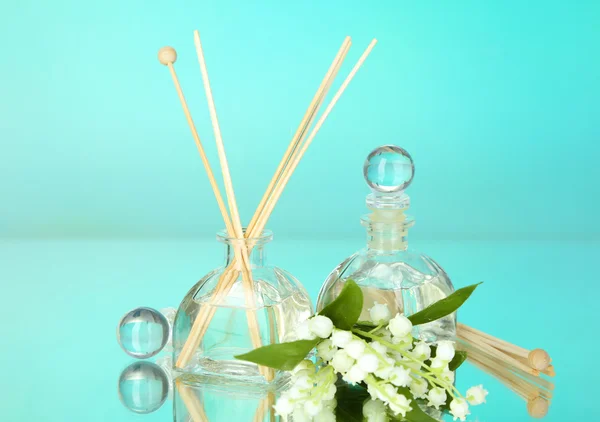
292, 166
537, 359
473, 352
538, 407
472, 338
304, 124
235, 216
168, 56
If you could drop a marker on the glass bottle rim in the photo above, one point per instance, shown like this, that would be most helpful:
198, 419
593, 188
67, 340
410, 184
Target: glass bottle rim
265, 237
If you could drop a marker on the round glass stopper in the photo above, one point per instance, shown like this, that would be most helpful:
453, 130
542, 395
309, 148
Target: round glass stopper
143, 332
389, 168
143, 387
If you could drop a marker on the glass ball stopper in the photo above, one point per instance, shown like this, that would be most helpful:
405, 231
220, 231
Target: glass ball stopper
389, 169
143, 332
143, 387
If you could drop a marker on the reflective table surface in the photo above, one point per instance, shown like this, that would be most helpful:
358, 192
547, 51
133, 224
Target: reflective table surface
62, 300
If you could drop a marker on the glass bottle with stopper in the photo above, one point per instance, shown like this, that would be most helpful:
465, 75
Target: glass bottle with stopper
386, 270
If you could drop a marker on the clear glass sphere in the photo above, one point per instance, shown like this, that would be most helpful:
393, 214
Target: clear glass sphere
143, 387
389, 168
143, 332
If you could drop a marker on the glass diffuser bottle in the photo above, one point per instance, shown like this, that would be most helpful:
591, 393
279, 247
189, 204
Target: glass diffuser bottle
386, 270
221, 316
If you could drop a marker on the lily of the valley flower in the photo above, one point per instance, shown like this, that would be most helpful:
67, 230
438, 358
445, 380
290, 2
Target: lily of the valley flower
326, 350
356, 348
341, 338
380, 313
321, 326
437, 397
400, 326
400, 376
459, 409
445, 350
375, 411
342, 362
476, 395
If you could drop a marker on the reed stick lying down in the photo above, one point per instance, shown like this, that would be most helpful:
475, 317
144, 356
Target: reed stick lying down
518, 368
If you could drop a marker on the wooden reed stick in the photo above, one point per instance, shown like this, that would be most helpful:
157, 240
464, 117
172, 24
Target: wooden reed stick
471, 338
168, 56
537, 401
235, 217
474, 352
191, 402
227, 280
302, 127
292, 166
538, 359
265, 407
502, 344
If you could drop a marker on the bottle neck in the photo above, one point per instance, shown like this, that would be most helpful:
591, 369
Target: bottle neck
387, 230
256, 254
254, 247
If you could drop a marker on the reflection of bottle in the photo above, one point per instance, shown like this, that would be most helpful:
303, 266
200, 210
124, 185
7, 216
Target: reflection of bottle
386, 270
206, 399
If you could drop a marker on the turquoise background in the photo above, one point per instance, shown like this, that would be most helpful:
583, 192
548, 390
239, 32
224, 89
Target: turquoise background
105, 206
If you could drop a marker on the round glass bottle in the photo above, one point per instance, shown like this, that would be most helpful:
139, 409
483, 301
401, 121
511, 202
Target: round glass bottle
386, 270
223, 315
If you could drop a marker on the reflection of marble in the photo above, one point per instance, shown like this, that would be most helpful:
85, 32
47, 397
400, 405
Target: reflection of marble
203, 399
143, 387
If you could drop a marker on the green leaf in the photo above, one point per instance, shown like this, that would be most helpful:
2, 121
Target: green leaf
416, 414
345, 310
443, 307
283, 356
459, 358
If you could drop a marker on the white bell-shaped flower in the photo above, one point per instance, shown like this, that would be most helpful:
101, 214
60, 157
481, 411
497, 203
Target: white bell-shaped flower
476, 395
326, 350
437, 397
419, 388
355, 375
356, 348
445, 350
375, 411
400, 326
422, 351
341, 338
380, 313
303, 331
321, 326
400, 376
284, 406
459, 409
342, 362
368, 363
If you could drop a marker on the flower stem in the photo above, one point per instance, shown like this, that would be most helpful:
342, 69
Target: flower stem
432, 380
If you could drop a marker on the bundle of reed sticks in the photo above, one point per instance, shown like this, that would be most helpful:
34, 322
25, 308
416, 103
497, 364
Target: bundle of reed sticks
243, 243
519, 369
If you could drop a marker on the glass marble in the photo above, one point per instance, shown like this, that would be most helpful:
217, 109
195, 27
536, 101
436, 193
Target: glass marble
389, 168
143, 332
143, 387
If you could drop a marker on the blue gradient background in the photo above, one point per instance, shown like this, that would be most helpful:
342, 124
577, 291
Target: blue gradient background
104, 204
